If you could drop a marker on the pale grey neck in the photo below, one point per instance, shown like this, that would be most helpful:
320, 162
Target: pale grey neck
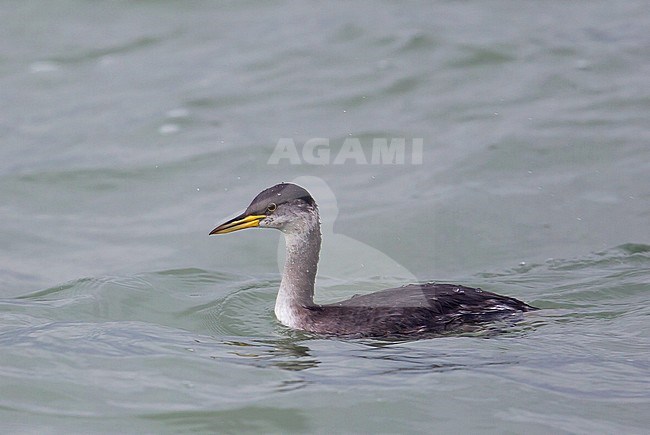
303, 244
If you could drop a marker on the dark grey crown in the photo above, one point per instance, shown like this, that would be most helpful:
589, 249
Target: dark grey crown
279, 194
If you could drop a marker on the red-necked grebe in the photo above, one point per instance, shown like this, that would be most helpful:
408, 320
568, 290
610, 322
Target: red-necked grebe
412, 309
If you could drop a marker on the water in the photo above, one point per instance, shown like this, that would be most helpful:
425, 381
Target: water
129, 130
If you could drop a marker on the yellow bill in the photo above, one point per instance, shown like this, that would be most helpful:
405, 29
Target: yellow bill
240, 222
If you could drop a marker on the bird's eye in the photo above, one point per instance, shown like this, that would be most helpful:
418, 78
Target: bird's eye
271, 207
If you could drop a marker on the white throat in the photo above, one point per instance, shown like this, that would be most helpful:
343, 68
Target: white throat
299, 275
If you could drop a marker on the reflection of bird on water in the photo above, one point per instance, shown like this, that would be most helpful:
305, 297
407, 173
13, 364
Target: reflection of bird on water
412, 309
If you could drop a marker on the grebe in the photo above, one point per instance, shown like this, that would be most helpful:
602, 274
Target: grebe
429, 308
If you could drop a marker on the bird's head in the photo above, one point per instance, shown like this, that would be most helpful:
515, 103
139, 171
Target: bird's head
285, 206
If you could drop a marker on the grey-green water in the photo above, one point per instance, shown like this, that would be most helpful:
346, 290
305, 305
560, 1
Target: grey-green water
128, 130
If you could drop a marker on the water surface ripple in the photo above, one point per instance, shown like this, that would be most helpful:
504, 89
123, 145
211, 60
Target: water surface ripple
128, 130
